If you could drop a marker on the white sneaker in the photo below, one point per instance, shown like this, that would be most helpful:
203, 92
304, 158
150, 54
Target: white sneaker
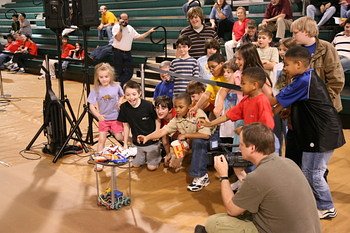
327, 214
236, 185
199, 183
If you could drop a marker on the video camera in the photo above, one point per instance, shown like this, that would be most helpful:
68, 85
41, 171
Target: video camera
123, 23
234, 159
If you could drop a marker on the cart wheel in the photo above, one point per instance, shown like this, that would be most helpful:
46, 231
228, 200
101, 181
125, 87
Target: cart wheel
127, 201
118, 206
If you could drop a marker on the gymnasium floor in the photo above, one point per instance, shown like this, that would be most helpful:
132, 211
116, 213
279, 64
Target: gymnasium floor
37, 195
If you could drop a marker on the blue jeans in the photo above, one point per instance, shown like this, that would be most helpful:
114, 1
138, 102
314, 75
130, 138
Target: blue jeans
312, 11
107, 31
345, 62
314, 165
344, 12
199, 161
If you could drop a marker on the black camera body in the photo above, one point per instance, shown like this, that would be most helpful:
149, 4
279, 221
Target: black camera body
234, 159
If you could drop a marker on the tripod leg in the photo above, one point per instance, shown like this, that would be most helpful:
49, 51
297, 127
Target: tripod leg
77, 130
59, 153
36, 136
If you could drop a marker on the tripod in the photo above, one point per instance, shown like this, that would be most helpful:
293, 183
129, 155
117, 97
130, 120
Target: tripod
89, 136
55, 116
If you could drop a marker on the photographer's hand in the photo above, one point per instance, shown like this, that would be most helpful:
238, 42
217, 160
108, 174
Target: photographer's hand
221, 165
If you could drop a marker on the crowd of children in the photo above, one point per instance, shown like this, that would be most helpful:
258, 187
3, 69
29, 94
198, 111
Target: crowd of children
284, 87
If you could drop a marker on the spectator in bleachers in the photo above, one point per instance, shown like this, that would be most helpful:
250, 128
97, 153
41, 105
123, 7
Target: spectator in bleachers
211, 46
123, 36
191, 3
198, 32
344, 8
27, 51
11, 46
324, 57
326, 9
278, 17
108, 20
251, 36
341, 43
221, 18
238, 30
166, 86
183, 65
268, 55
24, 25
15, 23
66, 50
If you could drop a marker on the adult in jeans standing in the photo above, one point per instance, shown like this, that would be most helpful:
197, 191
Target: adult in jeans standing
123, 36
276, 193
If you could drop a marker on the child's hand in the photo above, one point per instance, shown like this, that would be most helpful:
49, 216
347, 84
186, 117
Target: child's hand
175, 162
192, 111
181, 137
203, 122
238, 130
101, 117
167, 159
142, 139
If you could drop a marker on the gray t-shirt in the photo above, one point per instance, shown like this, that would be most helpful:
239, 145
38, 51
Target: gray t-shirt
279, 197
107, 99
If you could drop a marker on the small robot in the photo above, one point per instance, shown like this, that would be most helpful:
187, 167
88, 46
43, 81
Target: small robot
105, 199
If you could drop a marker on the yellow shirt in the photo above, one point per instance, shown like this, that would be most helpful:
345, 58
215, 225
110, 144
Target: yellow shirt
108, 17
214, 89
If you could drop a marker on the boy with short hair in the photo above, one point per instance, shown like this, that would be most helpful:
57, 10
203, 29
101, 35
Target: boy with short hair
195, 90
211, 46
254, 107
166, 86
268, 55
215, 63
184, 64
314, 120
165, 112
188, 128
139, 116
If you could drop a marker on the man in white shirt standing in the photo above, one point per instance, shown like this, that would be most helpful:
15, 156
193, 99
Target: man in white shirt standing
123, 36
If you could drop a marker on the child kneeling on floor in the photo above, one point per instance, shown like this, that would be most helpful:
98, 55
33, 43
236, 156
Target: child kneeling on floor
188, 128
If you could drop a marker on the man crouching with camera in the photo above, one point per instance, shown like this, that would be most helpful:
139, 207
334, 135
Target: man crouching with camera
275, 197
123, 36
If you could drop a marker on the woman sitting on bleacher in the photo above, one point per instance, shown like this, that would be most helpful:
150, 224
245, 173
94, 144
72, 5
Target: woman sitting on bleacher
28, 50
221, 18
66, 50
11, 46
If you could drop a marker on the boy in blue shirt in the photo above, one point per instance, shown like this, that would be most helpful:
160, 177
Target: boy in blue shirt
315, 121
166, 86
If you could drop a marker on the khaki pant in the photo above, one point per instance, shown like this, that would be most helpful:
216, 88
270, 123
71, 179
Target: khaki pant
280, 26
223, 223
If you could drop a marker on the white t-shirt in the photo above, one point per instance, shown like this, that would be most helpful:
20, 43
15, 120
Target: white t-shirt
129, 34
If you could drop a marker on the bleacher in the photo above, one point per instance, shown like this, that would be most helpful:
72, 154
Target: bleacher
143, 14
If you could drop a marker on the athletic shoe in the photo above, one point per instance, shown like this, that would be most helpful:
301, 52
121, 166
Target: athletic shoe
14, 68
198, 183
41, 77
236, 185
327, 214
21, 70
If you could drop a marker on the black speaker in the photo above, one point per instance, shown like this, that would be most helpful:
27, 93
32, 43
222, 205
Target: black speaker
56, 14
85, 13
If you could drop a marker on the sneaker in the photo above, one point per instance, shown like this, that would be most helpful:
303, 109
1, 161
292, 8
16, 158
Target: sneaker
14, 68
198, 183
21, 70
327, 214
41, 77
236, 185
